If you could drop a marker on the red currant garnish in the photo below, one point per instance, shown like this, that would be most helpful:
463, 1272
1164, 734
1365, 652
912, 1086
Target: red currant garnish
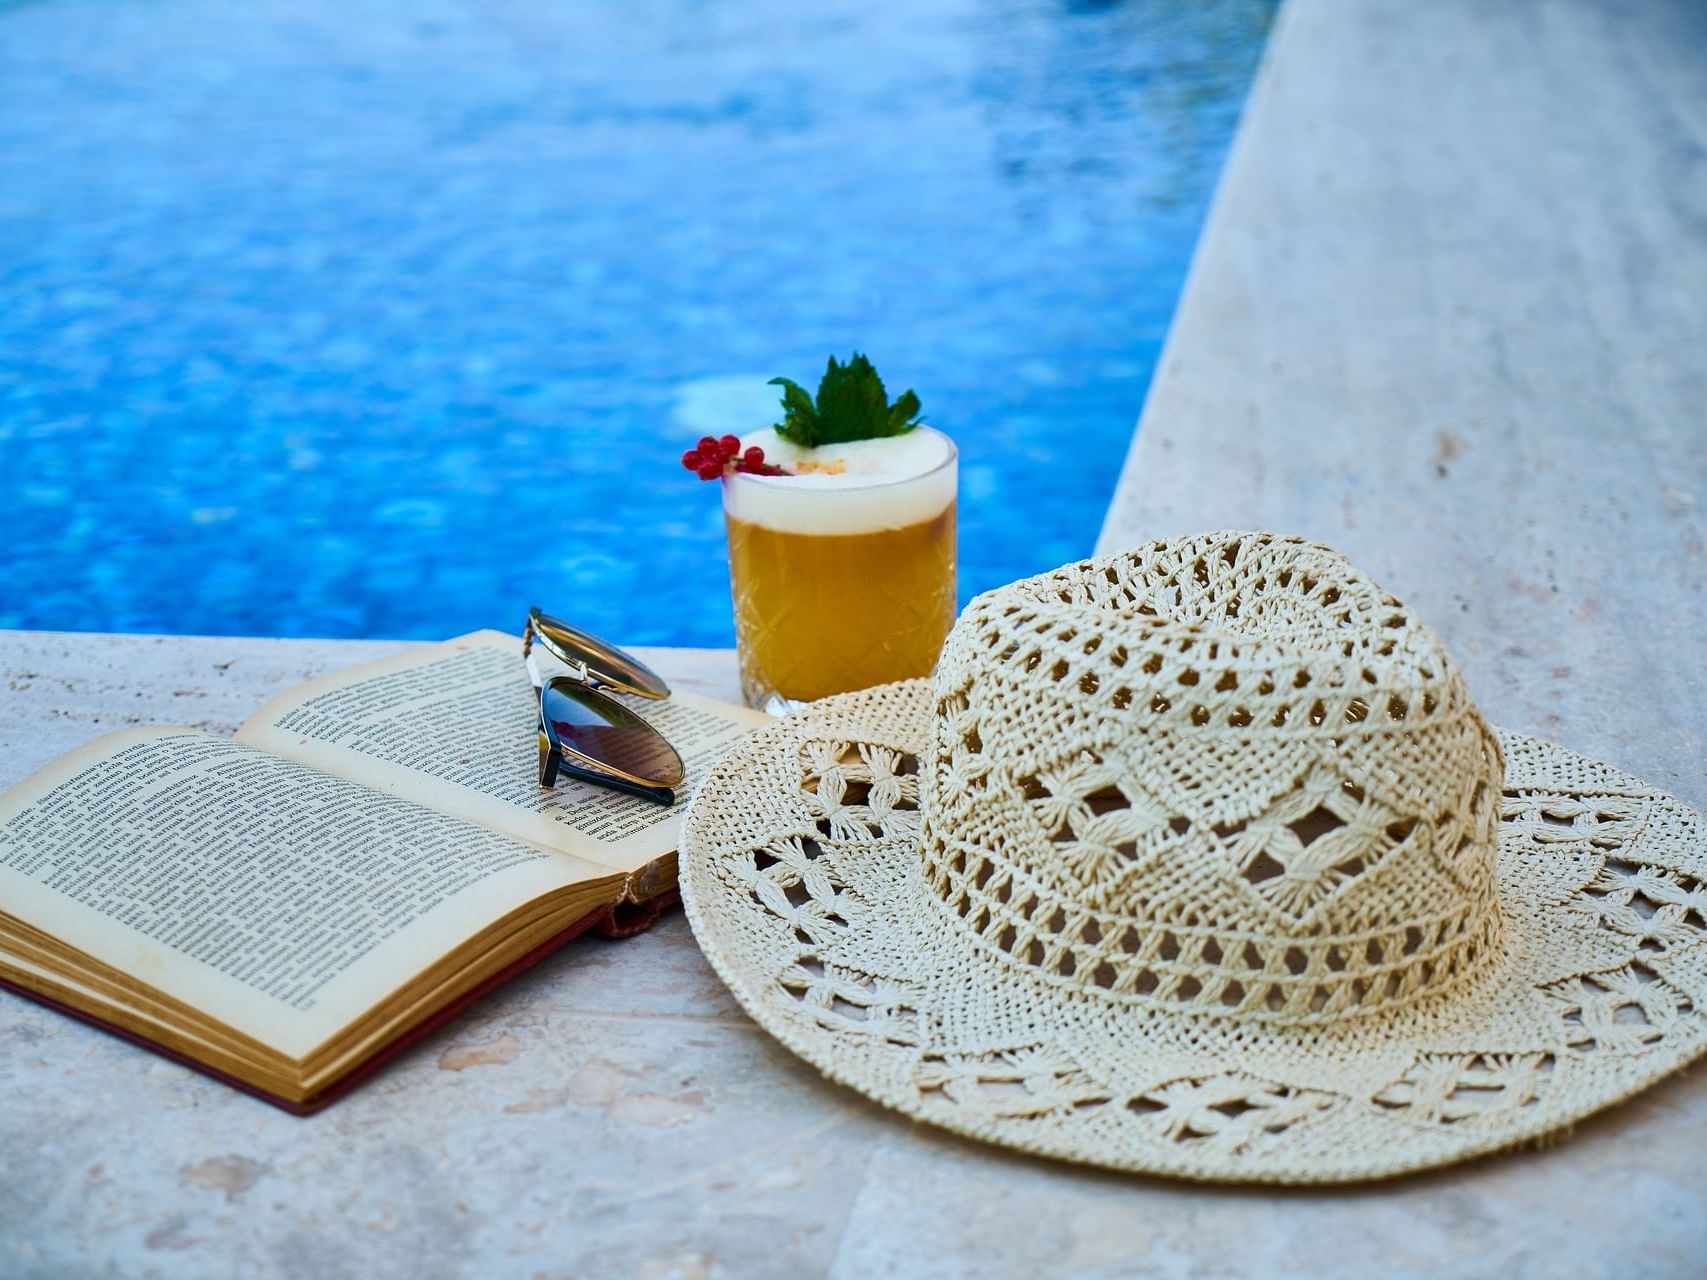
712, 458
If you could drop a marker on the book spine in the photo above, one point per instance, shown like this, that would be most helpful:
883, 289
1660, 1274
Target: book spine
656, 878
625, 919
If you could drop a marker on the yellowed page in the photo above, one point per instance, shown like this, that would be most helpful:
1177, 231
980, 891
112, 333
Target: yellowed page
453, 726
223, 1053
280, 900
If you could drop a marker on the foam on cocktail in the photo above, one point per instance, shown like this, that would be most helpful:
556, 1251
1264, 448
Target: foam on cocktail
860, 487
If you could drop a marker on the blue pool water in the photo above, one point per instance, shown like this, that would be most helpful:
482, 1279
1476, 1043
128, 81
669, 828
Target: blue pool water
387, 317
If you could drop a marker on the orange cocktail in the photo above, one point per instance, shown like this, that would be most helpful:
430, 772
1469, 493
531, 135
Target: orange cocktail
843, 574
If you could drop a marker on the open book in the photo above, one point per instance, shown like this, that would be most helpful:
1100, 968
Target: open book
287, 909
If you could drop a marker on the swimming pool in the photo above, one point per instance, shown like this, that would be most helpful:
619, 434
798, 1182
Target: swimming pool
385, 318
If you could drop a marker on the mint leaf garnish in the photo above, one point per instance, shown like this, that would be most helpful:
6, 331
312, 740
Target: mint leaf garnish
851, 405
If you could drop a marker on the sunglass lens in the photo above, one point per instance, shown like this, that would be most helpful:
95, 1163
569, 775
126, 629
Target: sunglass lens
602, 730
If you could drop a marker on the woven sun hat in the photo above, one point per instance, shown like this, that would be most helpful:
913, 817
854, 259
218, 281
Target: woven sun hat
1199, 860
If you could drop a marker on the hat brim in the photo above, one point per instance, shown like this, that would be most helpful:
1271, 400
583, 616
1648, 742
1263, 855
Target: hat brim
801, 876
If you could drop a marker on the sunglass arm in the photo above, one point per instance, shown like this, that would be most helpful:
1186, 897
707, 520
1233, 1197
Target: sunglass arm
658, 795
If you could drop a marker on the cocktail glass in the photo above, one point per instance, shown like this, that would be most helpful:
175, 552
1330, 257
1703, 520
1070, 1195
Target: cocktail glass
840, 581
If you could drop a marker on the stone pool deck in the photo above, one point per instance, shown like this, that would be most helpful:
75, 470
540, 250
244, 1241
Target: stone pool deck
1449, 315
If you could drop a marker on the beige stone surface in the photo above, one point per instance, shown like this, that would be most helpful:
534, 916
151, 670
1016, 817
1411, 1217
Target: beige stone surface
1449, 316
613, 1113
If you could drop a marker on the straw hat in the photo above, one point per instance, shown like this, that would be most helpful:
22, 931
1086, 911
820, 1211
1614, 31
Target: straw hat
1200, 860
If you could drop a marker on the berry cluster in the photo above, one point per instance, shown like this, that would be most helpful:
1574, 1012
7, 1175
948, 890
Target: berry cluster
712, 459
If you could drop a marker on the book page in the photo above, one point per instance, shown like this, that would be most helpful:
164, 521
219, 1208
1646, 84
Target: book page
454, 726
280, 900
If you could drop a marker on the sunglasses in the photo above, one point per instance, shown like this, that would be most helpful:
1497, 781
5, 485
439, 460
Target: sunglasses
587, 734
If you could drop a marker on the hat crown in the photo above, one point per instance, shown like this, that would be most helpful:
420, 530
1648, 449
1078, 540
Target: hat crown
1225, 774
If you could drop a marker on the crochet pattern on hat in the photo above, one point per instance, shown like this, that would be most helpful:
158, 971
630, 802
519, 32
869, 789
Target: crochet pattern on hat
1200, 860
